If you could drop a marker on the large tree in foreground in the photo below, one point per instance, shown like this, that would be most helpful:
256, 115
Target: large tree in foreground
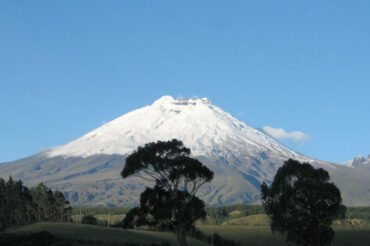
176, 177
302, 203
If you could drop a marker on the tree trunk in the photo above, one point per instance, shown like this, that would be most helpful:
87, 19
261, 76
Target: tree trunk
181, 237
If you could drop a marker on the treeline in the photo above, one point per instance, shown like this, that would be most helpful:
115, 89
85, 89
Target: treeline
220, 214
102, 210
358, 213
217, 215
20, 205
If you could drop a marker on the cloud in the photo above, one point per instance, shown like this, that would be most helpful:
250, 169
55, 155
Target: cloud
281, 134
43, 148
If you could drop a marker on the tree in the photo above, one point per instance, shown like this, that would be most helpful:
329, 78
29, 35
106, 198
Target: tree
16, 206
302, 204
89, 219
50, 205
3, 205
19, 205
177, 177
44, 201
61, 206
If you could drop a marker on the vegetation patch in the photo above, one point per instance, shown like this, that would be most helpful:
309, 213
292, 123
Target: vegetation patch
252, 220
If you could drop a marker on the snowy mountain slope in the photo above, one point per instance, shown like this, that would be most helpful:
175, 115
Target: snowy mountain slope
204, 127
358, 161
88, 169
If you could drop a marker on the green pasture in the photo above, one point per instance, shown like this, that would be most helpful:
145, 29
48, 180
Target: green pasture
262, 235
102, 235
243, 235
246, 231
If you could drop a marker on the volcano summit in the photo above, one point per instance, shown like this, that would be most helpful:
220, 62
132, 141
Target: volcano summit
88, 169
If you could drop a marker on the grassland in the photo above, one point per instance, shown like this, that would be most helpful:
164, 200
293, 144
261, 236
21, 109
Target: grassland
262, 236
232, 224
102, 235
241, 234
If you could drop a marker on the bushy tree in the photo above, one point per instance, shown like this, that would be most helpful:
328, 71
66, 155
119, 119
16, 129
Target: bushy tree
177, 177
89, 219
302, 203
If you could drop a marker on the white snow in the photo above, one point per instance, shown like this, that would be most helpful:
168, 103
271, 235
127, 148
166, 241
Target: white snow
358, 161
202, 126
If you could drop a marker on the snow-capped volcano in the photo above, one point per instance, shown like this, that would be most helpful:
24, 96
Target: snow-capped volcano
88, 169
205, 128
358, 161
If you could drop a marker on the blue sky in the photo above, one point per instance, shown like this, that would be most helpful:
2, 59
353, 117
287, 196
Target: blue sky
68, 66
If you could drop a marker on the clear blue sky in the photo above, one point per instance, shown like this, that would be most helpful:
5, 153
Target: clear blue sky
67, 66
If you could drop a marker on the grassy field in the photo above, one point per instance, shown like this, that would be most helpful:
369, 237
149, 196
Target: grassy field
102, 235
241, 234
262, 236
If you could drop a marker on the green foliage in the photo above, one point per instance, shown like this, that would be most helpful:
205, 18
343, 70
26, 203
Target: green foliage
302, 204
15, 204
19, 205
172, 202
89, 219
50, 205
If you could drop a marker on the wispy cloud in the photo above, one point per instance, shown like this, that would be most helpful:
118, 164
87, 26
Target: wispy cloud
281, 134
43, 148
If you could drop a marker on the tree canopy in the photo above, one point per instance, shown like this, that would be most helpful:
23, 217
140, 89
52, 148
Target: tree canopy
302, 203
177, 177
20, 205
